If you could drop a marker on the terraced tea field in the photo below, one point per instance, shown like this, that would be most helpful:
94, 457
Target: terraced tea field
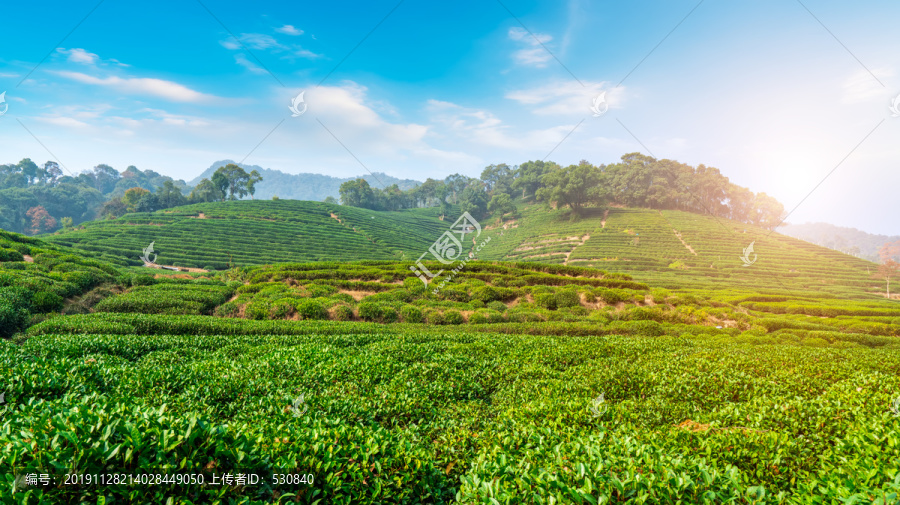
216, 235
663, 376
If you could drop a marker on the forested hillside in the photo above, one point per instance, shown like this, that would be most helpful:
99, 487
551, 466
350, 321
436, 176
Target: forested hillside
840, 238
303, 186
41, 198
636, 181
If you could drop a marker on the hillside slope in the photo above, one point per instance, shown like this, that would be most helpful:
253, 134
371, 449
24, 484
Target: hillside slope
850, 240
679, 249
668, 248
258, 232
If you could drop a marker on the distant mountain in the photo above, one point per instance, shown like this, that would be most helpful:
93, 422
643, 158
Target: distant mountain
848, 240
314, 187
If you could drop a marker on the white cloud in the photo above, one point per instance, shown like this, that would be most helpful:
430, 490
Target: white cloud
143, 86
862, 87
289, 30
567, 97
534, 54
305, 53
67, 122
242, 60
481, 127
263, 42
77, 55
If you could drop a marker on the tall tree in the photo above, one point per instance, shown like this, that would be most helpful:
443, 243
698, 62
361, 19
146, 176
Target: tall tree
206, 191
105, 178
456, 183
498, 178
220, 181
251, 182
501, 205
41, 220
474, 199
357, 193
767, 211
132, 197
889, 267
528, 176
169, 196
575, 186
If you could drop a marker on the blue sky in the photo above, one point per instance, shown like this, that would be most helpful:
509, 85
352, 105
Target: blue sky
761, 90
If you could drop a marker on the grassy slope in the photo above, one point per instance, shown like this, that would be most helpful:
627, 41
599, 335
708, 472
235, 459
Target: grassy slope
644, 243
416, 413
258, 232
264, 232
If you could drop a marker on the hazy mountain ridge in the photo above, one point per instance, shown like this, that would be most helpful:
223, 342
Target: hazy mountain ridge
849, 240
303, 186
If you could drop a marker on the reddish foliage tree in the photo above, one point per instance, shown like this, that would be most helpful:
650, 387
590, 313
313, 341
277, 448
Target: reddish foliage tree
889, 268
41, 220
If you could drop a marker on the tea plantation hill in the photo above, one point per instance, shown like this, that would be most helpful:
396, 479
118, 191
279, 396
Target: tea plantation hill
666, 248
519, 382
219, 235
675, 249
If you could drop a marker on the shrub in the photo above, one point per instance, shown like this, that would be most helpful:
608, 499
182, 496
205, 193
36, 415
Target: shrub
10, 255
659, 295
228, 309
545, 300
498, 306
613, 295
577, 311
525, 317
342, 313
378, 312
414, 285
46, 301
257, 309
485, 294
567, 298
433, 316
454, 293
309, 308
477, 304
453, 317
411, 314
13, 310
644, 314
320, 291
281, 309
142, 280
485, 316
